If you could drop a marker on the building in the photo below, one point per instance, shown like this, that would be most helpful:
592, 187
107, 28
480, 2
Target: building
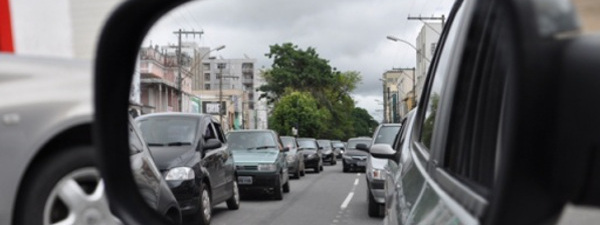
159, 76
406, 85
391, 97
426, 43
229, 82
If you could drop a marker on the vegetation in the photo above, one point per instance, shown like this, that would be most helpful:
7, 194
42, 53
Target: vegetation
310, 95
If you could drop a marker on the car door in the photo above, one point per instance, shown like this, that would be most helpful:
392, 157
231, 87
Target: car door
213, 162
227, 163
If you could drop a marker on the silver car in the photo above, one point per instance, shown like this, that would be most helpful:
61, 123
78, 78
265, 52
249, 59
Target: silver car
384, 134
49, 170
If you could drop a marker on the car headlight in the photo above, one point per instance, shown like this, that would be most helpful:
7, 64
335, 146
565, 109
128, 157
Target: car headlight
267, 167
290, 158
378, 174
180, 173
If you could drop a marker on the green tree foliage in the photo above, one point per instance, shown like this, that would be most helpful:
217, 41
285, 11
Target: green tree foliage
364, 124
298, 109
302, 72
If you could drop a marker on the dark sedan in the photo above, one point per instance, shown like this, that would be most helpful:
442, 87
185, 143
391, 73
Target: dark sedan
190, 151
354, 158
327, 152
311, 152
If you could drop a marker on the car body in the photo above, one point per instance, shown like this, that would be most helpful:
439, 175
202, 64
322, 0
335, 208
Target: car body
338, 147
375, 175
190, 150
327, 153
312, 153
260, 161
294, 157
354, 158
46, 142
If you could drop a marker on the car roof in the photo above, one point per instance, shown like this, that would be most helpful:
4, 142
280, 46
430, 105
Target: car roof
175, 114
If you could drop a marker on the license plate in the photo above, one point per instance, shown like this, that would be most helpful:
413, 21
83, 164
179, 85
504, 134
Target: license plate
361, 163
244, 180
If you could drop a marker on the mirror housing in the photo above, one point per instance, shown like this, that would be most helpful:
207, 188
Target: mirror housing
383, 151
362, 147
285, 149
212, 144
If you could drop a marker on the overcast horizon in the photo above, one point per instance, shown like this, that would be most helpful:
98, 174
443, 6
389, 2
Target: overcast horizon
351, 34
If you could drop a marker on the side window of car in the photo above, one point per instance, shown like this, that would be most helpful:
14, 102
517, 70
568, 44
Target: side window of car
219, 132
436, 83
476, 106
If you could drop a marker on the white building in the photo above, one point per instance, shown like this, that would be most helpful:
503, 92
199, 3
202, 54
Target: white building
426, 43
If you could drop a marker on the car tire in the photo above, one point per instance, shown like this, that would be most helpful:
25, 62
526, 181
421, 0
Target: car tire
297, 174
233, 203
317, 169
345, 169
204, 213
303, 172
373, 205
286, 187
278, 190
321, 168
72, 170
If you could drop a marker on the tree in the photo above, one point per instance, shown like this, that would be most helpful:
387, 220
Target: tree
298, 109
364, 124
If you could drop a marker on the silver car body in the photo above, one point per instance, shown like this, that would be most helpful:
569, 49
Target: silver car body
377, 166
38, 104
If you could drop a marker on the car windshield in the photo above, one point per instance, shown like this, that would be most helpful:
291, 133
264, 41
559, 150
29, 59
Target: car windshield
386, 134
352, 143
307, 144
337, 144
169, 131
324, 143
251, 141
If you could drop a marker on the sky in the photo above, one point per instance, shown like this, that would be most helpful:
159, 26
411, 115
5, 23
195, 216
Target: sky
351, 34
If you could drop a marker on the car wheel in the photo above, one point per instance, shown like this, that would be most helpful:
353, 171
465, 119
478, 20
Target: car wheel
205, 210
317, 169
278, 190
345, 168
286, 187
297, 174
321, 168
65, 187
373, 205
233, 203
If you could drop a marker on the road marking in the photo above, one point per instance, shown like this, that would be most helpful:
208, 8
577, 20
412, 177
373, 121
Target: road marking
358, 174
356, 182
347, 200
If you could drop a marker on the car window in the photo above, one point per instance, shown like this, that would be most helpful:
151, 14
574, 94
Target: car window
353, 143
307, 144
168, 130
433, 97
386, 134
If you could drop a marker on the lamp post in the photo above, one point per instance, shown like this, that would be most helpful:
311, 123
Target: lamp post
392, 38
199, 62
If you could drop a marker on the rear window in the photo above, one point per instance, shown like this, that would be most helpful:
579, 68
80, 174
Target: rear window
163, 131
353, 143
386, 135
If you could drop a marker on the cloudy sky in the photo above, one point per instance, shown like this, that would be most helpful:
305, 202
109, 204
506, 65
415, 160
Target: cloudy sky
351, 34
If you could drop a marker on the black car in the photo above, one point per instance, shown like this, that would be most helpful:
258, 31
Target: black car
327, 152
354, 158
312, 153
191, 152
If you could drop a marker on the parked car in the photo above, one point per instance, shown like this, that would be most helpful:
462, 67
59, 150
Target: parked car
338, 147
312, 153
384, 134
260, 161
48, 161
294, 157
327, 153
191, 152
355, 158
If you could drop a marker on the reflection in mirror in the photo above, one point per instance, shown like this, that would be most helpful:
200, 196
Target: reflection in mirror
201, 72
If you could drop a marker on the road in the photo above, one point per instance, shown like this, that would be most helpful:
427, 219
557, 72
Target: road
330, 197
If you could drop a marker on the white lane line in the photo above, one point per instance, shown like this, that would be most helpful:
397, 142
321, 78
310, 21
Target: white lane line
358, 174
347, 200
356, 182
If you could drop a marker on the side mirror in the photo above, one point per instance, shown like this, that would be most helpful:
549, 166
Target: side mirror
212, 144
285, 149
362, 147
321, 148
384, 151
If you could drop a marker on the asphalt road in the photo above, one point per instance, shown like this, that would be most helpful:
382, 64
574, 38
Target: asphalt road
330, 197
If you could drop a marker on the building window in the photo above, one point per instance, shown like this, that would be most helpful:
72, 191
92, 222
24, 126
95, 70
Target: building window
206, 86
433, 45
206, 66
207, 76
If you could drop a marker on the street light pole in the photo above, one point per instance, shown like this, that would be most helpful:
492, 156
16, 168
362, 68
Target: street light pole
220, 66
392, 38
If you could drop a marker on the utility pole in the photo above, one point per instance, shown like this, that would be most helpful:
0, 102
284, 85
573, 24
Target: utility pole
179, 62
221, 66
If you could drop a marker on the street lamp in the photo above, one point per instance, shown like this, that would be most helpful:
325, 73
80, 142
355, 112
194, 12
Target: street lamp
199, 62
392, 38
